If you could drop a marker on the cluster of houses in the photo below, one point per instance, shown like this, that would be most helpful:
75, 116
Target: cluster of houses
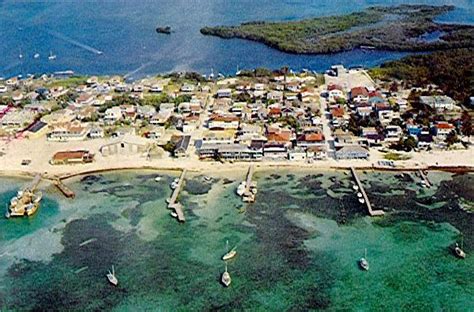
235, 119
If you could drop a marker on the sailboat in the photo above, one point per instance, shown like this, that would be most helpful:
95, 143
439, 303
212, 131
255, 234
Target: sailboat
20, 56
111, 277
458, 250
36, 55
230, 253
364, 264
225, 279
51, 56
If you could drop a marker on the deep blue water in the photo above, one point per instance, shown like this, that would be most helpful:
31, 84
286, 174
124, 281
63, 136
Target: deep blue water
125, 32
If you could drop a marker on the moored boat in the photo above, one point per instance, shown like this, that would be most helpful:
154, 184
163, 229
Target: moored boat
112, 278
24, 204
363, 263
231, 253
225, 279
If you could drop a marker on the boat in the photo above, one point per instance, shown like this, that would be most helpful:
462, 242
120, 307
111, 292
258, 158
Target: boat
174, 214
20, 56
207, 178
225, 279
361, 200
363, 263
241, 188
423, 183
24, 204
231, 253
355, 187
158, 179
112, 278
36, 55
163, 30
51, 56
359, 195
458, 250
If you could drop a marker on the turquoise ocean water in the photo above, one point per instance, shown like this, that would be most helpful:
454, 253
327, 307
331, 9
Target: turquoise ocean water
298, 245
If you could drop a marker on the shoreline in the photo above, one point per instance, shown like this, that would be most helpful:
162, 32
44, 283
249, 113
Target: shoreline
235, 168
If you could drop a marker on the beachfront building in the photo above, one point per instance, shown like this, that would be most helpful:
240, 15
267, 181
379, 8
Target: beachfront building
352, 152
223, 122
72, 157
65, 132
36, 130
181, 146
128, 145
233, 151
17, 119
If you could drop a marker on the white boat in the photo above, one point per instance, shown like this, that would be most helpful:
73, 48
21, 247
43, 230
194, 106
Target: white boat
458, 250
363, 263
158, 179
174, 214
359, 195
20, 56
231, 253
225, 279
51, 56
241, 188
361, 200
111, 277
36, 56
355, 187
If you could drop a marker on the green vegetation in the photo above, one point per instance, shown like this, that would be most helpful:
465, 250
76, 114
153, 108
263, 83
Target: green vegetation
68, 82
451, 70
396, 156
390, 28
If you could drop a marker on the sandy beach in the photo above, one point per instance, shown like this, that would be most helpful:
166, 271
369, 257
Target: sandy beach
40, 152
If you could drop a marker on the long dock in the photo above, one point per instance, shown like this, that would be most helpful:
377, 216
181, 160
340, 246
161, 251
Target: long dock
425, 178
249, 179
172, 204
64, 189
373, 213
34, 184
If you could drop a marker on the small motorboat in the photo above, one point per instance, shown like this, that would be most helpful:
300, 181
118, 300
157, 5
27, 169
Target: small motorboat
359, 195
225, 279
112, 278
241, 188
458, 251
174, 214
361, 200
363, 263
36, 56
158, 179
231, 253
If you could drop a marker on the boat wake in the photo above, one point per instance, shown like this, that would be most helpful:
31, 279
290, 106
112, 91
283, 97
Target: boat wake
74, 42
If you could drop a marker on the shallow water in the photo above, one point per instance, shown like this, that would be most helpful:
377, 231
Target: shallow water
125, 33
298, 245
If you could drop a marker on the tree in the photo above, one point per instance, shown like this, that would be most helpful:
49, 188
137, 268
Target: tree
466, 127
451, 138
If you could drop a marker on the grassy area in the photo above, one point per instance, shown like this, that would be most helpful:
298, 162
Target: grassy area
396, 156
68, 82
374, 27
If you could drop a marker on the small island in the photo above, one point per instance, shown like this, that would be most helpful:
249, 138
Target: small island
398, 28
163, 30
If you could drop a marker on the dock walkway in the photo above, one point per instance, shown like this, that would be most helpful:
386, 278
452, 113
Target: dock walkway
373, 213
425, 178
64, 189
249, 179
172, 204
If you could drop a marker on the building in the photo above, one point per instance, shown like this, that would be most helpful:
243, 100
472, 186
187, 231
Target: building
224, 93
223, 122
128, 144
72, 157
74, 131
36, 130
438, 102
352, 152
181, 146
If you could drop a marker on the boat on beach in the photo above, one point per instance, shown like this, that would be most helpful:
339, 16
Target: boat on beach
363, 263
225, 279
112, 278
231, 253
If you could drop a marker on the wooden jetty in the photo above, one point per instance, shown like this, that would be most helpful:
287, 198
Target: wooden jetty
64, 189
373, 213
172, 204
34, 184
425, 178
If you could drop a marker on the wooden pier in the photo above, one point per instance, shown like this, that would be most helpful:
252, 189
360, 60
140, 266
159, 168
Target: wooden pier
172, 204
249, 179
425, 178
373, 213
64, 189
34, 184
